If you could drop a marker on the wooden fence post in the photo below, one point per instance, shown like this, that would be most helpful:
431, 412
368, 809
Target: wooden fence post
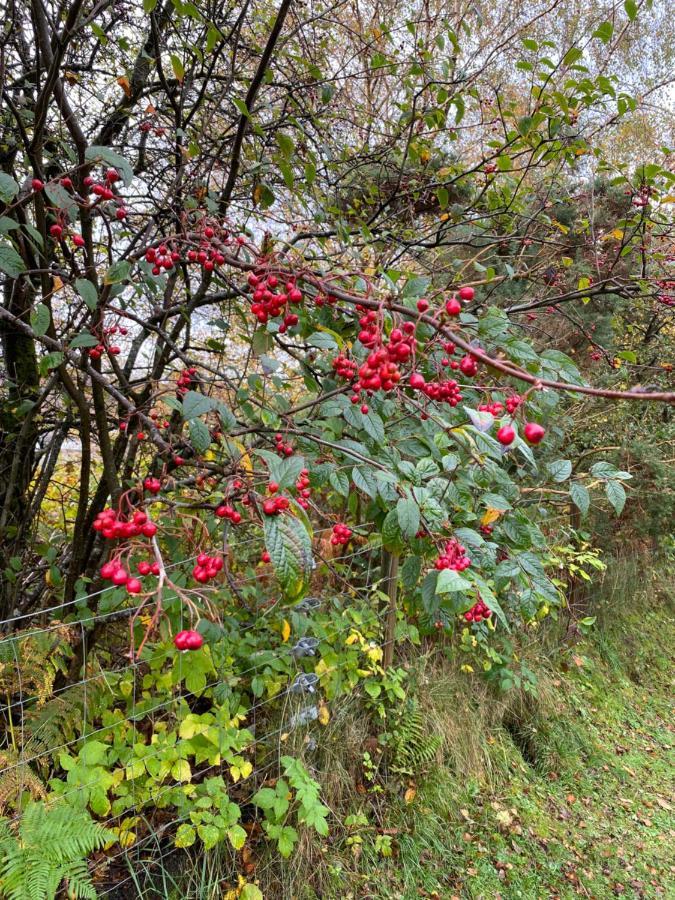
390, 566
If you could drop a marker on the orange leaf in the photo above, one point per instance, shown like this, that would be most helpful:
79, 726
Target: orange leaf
490, 515
123, 82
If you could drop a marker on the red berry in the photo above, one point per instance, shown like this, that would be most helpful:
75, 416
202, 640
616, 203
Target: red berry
453, 307
134, 586
422, 305
506, 435
416, 381
534, 433
193, 640
56, 232
466, 293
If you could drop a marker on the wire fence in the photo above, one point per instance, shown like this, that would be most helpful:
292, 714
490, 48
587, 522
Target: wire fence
346, 606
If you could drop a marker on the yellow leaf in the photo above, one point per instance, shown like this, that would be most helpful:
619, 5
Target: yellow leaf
410, 795
490, 515
324, 714
467, 669
669, 198
321, 668
257, 194
285, 631
352, 639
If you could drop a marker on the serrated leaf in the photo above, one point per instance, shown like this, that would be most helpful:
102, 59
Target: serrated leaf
450, 581
408, 514
580, 497
236, 835
118, 272
40, 317
616, 494
200, 436
10, 261
84, 340
9, 187
185, 836
560, 469
112, 158
290, 548
339, 482
365, 481
196, 404
87, 291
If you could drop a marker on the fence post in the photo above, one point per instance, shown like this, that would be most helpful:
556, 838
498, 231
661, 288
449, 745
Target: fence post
390, 566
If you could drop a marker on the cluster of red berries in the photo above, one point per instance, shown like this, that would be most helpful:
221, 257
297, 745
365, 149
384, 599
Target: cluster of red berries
97, 351
188, 640
114, 571
344, 367
282, 448
275, 505
152, 485
495, 408
207, 568
513, 402
453, 557
59, 229
468, 365
442, 391
208, 256
104, 191
303, 489
147, 568
226, 511
341, 534
162, 257
111, 525
186, 380
478, 612
270, 303
486, 529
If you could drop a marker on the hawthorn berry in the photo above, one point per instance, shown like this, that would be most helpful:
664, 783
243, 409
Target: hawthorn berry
534, 433
506, 435
466, 293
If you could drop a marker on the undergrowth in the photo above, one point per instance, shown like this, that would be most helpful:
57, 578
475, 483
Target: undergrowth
467, 793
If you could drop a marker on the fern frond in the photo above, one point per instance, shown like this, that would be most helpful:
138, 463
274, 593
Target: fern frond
412, 748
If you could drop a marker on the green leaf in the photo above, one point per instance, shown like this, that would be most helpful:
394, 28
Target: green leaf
200, 436
415, 287
50, 361
7, 224
250, 892
339, 482
60, 198
290, 548
9, 188
572, 56
10, 261
185, 836
631, 8
119, 271
408, 513
178, 67
604, 32
560, 469
449, 581
85, 339
196, 404
87, 291
616, 494
112, 158
285, 143
236, 836
209, 834
392, 539
365, 481
40, 317
580, 497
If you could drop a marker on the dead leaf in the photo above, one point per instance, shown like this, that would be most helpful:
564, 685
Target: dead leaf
123, 82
